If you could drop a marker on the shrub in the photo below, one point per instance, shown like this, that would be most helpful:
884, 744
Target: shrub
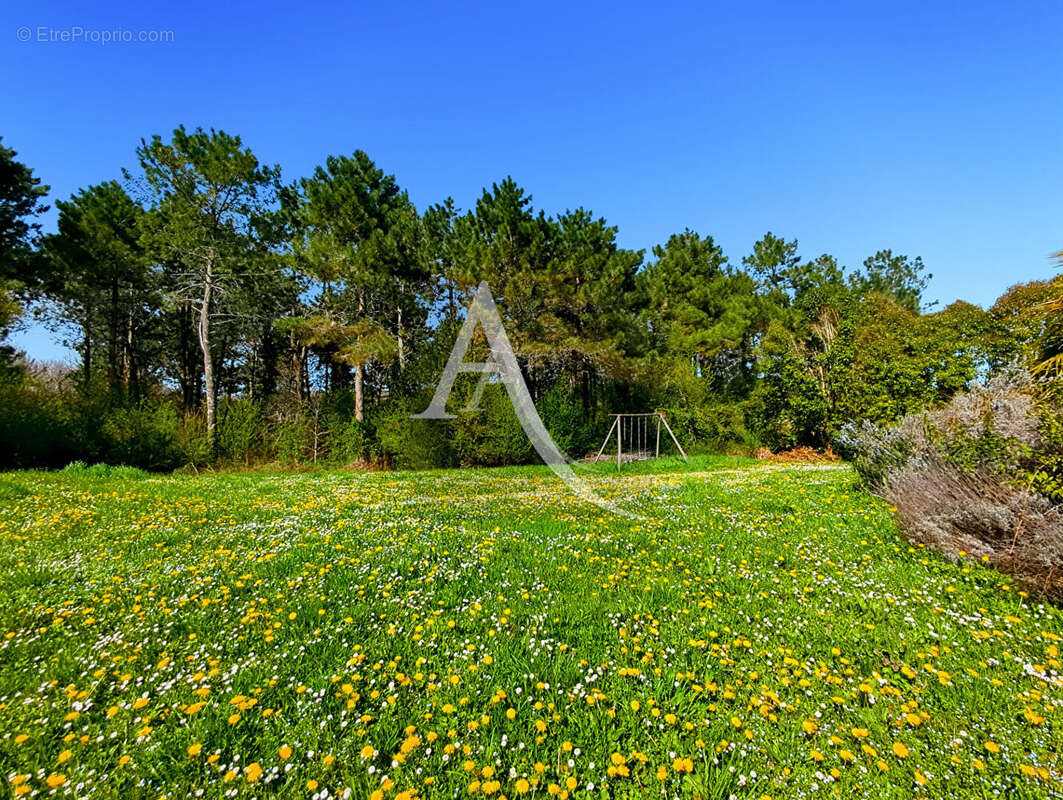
708, 428
103, 471
1016, 530
875, 451
574, 432
39, 427
238, 431
349, 439
191, 440
142, 435
491, 435
959, 478
413, 443
292, 439
1046, 468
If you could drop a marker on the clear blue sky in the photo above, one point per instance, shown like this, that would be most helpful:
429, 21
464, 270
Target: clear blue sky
932, 128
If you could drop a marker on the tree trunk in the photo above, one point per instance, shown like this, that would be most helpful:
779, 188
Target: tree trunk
270, 357
87, 355
296, 365
402, 350
204, 345
359, 394
359, 370
223, 379
191, 361
585, 389
112, 345
304, 372
128, 369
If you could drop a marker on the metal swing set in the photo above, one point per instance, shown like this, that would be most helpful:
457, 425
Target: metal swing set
632, 431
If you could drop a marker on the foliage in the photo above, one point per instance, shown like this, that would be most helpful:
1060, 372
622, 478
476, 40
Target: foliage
143, 434
898, 276
574, 432
80, 470
101, 281
358, 238
37, 427
1045, 471
413, 443
227, 318
21, 200
491, 435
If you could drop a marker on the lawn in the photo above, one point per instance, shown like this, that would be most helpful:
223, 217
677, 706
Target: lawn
763, 631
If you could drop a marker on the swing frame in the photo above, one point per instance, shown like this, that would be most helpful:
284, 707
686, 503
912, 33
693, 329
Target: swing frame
638, 432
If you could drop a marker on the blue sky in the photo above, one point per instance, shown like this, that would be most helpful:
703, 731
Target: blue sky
932, 128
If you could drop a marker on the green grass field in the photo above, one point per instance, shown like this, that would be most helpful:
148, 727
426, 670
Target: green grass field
765, 631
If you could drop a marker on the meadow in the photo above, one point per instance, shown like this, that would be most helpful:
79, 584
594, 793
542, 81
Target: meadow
764, 631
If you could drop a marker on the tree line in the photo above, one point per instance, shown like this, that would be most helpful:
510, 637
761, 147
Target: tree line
222, 313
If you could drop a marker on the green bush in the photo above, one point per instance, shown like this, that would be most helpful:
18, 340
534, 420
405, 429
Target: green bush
191, 440
292, 439
414, 443
104, 471
573, 431
38, 427
142, 435
710, 428
491, 436
349, 440
238, 431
